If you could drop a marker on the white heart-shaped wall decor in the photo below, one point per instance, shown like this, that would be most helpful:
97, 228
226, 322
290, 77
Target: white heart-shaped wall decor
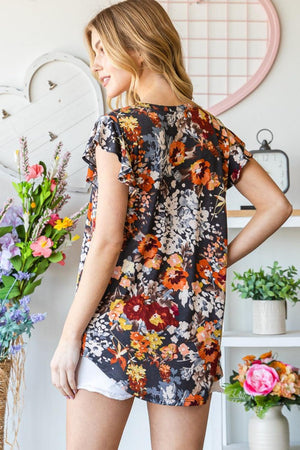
60, 101
229, 46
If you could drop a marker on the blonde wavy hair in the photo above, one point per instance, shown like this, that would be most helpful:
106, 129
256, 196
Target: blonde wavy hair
145, 27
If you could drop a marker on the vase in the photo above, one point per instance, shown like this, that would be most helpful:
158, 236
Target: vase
268, 316
269, 433
5, 367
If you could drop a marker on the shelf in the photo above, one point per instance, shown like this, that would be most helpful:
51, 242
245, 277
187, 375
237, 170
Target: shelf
248, 339
246, 447
240, 218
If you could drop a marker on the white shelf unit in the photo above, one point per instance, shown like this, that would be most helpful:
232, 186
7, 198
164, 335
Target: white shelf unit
231, 339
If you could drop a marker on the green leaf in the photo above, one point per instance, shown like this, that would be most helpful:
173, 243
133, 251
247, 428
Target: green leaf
16, 262
21, 232
8, 281
56, 257
5, 230
30, 287
7, 292
42, 266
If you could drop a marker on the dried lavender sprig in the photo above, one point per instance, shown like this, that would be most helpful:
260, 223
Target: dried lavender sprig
24, 155
62, 202
41, 224
57, 151
76, 216
56, 158
7, 204
61, 171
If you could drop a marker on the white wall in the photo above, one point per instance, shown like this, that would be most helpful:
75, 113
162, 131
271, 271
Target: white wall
29, 28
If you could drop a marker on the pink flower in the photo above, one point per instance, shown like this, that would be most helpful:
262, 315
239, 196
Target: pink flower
41, 247
53, 219
260, 379
62, 262
53, 185
35, 171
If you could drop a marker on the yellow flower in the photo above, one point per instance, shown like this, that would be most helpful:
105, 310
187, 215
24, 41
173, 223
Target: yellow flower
136, 372
33, 205
75, 237
124, 325
62, 224
154, 339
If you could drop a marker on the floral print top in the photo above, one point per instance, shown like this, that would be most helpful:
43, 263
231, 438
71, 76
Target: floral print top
158, 326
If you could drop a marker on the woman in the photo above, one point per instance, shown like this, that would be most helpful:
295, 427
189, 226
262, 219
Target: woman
146, 320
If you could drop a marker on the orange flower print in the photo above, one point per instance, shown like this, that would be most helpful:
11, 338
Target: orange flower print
210, 351
175, 278
175, 260
149, 246
200, 173
169, 352
118, 355
197, 287
220, 278
213, 182
154, 263
204, 269
193, 400
165, 372
145, 181
177, 153
131, 127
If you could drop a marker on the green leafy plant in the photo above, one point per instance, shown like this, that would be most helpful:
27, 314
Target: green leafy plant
264, 382
278, 284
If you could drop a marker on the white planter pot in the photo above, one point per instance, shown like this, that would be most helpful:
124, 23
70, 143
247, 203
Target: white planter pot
269, 433
268, 316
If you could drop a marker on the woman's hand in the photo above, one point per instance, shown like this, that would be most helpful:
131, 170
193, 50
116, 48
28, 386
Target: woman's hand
63, 366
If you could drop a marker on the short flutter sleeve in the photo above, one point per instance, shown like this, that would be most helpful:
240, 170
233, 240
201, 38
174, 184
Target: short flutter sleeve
234, 152
107, 133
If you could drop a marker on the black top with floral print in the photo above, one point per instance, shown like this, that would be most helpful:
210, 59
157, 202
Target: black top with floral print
158, 327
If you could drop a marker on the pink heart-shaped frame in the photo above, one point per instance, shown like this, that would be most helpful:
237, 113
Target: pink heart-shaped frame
229, 47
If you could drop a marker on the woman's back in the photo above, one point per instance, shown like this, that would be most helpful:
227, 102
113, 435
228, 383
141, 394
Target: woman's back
164, 305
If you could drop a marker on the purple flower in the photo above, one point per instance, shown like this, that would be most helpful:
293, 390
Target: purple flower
3, 323
24, 301
16, 315
2, 310
22, 276
12, 217
15, 348
8, 250
37, 317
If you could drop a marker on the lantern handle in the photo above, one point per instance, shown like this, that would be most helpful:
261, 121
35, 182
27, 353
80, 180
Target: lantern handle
264, 129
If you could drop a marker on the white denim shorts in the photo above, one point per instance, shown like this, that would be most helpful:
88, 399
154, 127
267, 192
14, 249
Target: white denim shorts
93, 379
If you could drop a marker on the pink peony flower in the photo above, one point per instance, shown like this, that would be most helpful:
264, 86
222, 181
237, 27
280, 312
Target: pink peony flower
260, 379
35, 171
41, 247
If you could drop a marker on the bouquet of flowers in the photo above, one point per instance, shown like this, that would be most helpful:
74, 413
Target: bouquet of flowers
32, 236
263, 382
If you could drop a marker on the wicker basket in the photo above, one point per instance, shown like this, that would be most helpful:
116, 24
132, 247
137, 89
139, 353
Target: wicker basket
5, 367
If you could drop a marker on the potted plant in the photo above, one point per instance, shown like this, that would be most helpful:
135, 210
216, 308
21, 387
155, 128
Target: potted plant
265, 385
269, 292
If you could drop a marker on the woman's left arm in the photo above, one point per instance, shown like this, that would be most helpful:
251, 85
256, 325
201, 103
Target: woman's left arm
104, 250
272, 209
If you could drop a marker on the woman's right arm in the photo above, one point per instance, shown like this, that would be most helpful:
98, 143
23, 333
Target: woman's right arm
272, 209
